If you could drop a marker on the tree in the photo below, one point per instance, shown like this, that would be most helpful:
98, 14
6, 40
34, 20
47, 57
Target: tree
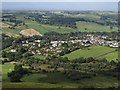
59, 27
111, 27
17, 74
85, 28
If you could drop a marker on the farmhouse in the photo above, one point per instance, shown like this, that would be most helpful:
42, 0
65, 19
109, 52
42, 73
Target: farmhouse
13, 50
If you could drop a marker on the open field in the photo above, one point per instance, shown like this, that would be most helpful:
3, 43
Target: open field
47, 28
93, 27
94, 51
13, 32
111, 56
7, 67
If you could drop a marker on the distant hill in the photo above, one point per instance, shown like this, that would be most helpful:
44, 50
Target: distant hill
29, 32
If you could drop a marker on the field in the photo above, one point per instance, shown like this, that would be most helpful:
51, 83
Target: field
7, 67
13, 32
91, 27
94, 51
47, 28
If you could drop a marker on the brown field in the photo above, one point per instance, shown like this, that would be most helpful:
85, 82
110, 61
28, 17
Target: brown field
4, 25
29, 32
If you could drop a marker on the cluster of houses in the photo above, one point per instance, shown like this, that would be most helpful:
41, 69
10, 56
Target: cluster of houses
100, 40
55, 46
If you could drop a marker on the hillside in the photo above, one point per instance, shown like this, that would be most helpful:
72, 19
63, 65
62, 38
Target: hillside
61, 22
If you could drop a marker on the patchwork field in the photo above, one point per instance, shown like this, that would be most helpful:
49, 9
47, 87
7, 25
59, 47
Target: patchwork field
41, 28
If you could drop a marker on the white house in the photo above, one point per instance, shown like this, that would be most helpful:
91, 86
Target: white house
13, 50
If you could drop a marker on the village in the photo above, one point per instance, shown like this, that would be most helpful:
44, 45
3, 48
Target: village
56, 47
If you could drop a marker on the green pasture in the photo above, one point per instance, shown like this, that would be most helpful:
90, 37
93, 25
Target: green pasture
7, 67
93, 51
93, 27
48, 28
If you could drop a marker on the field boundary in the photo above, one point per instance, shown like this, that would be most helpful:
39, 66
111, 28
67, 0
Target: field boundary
104, 54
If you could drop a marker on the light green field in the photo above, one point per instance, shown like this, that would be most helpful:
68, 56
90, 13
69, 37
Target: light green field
93, 51
13, 32
93, 27
47, 28
7, 67
111, 56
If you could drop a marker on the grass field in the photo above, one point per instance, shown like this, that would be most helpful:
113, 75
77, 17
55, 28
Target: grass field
111, 56
47, 28
13, 32
7, 67
93, 51
93, 27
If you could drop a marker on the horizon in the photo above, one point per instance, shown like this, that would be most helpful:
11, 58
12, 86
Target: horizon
66, 6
